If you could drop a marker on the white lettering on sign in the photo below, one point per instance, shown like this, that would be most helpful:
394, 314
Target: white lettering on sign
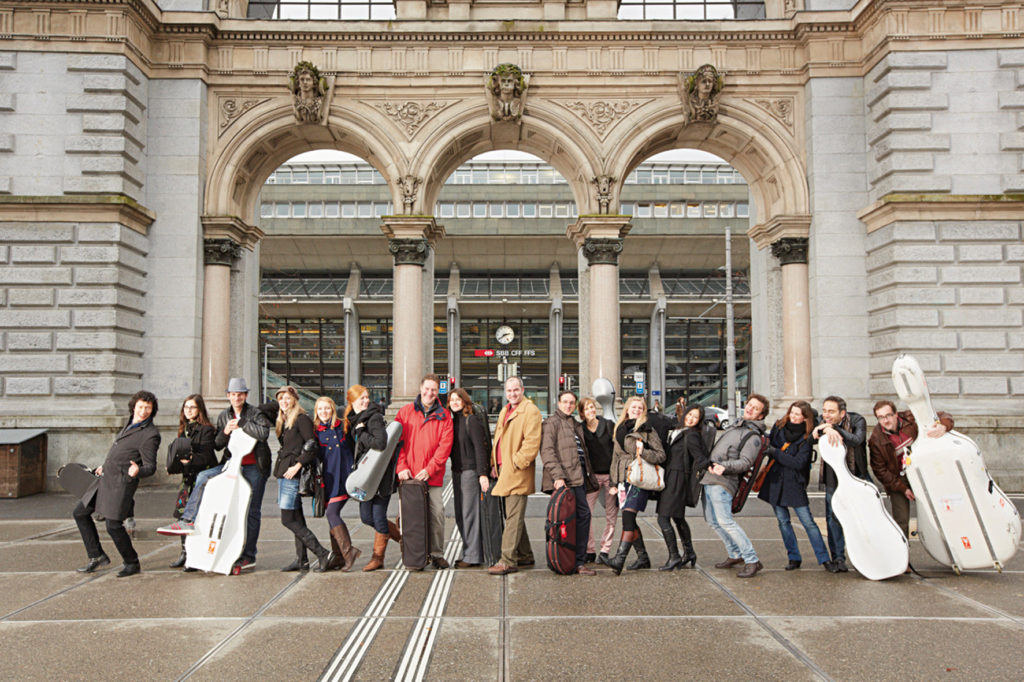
515, 352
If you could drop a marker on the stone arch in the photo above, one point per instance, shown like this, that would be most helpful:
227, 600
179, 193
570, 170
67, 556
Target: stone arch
269, 136
542, 134
758, 145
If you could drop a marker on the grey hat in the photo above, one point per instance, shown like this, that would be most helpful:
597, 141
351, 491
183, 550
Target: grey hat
237, 385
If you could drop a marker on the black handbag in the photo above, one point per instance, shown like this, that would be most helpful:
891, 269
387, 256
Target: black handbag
309, 475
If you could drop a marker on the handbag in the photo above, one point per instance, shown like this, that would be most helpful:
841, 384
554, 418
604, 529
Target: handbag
763, 473
644, 475
311, 484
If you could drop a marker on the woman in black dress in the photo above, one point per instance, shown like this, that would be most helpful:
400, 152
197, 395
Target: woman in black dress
188, 454
687, 459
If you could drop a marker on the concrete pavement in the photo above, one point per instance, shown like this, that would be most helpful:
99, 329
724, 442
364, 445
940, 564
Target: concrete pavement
56, 624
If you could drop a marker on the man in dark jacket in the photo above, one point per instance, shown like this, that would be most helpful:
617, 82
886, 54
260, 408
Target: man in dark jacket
131, 457
733, 454
852, 429
888, 444
563, 452
255, 469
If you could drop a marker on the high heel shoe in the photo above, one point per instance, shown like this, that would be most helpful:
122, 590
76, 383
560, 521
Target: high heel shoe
673, 563
689, 557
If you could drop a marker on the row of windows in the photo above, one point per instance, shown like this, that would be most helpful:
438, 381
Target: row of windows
508, 174
503, 209
693, 10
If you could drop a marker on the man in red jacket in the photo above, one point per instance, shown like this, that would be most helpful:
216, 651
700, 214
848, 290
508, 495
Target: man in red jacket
427, 436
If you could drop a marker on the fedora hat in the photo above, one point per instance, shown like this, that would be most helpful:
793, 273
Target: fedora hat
237, 385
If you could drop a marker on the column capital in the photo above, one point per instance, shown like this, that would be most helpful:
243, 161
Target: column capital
790, 250
233, 228
770, 231
598, 227
412, 227
409, 251
602, 250
221, 252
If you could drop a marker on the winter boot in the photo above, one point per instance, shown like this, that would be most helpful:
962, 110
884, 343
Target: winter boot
380, 544
347, 554
394, 533
625, 543
674, 560
180, 561
642, 559
301, 562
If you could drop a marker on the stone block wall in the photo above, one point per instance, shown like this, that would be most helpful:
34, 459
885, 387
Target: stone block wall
946, 122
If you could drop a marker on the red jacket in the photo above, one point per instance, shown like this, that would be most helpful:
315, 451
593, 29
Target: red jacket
426, 440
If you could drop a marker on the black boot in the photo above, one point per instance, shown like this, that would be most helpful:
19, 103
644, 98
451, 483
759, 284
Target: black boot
642, 559
625, 543
301, 562
324, 556
689, 556
674, 561
180, 561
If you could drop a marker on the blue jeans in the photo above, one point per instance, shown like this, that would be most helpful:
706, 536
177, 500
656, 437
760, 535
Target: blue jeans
836, 539
582, 524
192, 506
789, 537
718, 514
257, 482
288, 493
374, 512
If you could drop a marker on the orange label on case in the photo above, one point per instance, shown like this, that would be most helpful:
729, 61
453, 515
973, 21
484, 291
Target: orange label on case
967, 543
213, 546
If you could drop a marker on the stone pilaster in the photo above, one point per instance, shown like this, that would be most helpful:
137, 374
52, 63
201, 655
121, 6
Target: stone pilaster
796, 317
218, 257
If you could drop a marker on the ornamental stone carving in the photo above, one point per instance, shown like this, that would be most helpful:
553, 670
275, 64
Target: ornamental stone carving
231, 108
309, 89
221, 251
790, 250
781, 108
408, 251
601, 115
603, 188
411, 116
506, 93
409, 185
602, 250
701, 91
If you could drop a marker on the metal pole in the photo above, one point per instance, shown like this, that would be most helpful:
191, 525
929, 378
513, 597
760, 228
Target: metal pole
730, 336
265, 347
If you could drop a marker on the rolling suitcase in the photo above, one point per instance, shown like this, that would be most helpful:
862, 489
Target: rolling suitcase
492, 524
560, 531
414, 514
963, 519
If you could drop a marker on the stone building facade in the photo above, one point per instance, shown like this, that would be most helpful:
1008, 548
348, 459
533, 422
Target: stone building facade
882, 140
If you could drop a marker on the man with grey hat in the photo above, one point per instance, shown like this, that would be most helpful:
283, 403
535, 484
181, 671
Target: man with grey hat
255, 468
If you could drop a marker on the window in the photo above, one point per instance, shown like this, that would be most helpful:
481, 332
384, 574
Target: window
708, 177
742, 209
364, 209
710, 209
331, 209
348, 176
725, 209
282, 176
627, 208
300, 177
659, 176
281, 210
697, 10
643, 176
643, 210
497, 209
266, 210
677, 209
530, 176
479, 209
562, 209
316, 177
446, 209
512, 209
348, 209
316, 210
675, 176
529, 210
381, 208
332, 177
545, 210
299, 209
462, 209
692, 176
479, 176
319, 10
693, 209
661, 210
463, 176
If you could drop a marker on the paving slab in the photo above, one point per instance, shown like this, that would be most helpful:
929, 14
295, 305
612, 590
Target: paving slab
919, 649
465, 650
67, 555
11, 531
333, 594
18, 590
117, 650
1003, 591
474, 594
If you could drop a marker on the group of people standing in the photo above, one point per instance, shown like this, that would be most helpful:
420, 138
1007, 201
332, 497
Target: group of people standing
590, 455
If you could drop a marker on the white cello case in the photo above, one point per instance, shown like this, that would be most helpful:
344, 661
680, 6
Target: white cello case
219, 535
604, 394
963, 519
875, 544
364, 480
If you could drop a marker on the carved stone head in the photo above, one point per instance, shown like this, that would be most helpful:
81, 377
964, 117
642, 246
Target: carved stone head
506, 93
308, 89
703, 88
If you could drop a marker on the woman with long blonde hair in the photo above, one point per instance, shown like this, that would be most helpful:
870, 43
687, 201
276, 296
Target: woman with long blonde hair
298, 448
364, 427
633, 436
336, 455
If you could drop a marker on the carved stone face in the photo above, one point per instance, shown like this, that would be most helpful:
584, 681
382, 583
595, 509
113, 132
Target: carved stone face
306, 84
507, 84
705, 84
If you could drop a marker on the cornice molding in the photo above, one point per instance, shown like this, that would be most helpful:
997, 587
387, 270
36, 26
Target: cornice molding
780, 227
941, 207
233, 228
113, 208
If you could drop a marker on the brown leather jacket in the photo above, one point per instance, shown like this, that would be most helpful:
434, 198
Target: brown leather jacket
885, 464
559, 455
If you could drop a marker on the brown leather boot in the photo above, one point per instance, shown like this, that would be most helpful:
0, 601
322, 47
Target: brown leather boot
338, 559
349, 554
394, 533
380, 544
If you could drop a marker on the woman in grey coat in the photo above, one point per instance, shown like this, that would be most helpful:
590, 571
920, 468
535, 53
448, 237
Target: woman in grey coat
131, 457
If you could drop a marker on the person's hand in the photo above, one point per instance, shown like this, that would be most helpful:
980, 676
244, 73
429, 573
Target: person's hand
292, 471
98, 471
559, 484
422, 475
816, 433
133, 470
230, 426
639, 447
833, 438
910, 494
937, 429
184, 461
485, 484
717, 469
404, 475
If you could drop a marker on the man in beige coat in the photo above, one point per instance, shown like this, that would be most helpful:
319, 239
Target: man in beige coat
516, 444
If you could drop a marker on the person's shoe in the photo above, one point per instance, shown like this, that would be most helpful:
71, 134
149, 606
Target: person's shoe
642, 558
440, 562
129, 569
795, 564
242, 565
689, 557
619, 560
94, 563
180, 561
177, 528
841, 566
729, 563
501, 569
380, 545
589, 558
394, 533
585, 570
672, 564
465, 564
189, 569
345, 553
750, 570
323, 561
830, 566
603, 558
526, 562
297, 565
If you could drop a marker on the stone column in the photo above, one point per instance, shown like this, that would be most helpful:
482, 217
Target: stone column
599, 238
796, 317
218, 255
410, 240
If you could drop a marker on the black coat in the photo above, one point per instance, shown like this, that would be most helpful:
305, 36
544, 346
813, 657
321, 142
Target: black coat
856, 441
471, 446
254, 423
197, 446
299, 444
785, 485
369, 432
687, 460
115, 489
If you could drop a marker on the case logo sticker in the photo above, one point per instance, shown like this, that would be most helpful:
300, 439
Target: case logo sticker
212, 547
967, 543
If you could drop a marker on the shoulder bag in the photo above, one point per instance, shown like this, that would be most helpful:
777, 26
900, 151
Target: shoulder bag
645, 475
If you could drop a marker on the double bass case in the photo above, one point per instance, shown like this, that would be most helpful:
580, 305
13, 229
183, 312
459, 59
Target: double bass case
414, 505
963, 519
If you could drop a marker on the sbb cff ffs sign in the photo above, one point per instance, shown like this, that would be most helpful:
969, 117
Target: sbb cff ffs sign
483, 353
